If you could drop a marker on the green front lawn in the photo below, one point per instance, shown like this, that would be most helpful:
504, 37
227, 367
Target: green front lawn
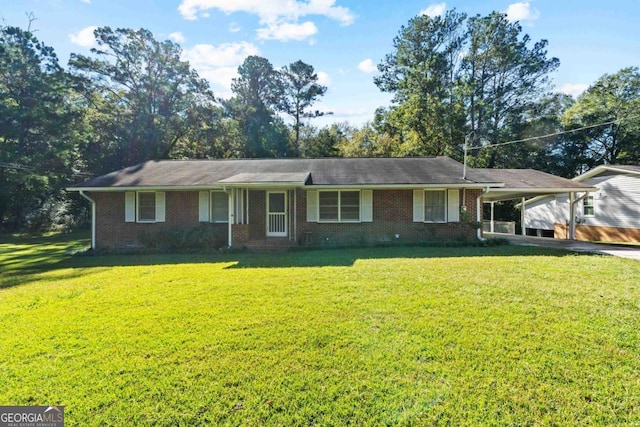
389, 336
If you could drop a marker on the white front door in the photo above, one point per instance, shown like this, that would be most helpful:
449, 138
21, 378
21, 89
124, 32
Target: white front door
277, 214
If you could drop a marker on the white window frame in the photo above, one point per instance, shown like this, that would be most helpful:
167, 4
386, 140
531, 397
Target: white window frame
211, 217
592, 205
340, 220
155, 204
445, 205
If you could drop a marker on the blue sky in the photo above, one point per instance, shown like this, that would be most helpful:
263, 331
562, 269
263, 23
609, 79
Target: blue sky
342, 39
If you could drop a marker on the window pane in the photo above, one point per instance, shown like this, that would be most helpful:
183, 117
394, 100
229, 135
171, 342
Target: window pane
276, 202
435, 206
350, 206
588, 206
146, 206
328, 201
219, 206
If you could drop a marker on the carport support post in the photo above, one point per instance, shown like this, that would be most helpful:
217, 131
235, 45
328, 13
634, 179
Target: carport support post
491, 223
572, 216
522, 212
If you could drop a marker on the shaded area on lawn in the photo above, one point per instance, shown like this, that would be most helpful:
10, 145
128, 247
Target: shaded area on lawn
22, 258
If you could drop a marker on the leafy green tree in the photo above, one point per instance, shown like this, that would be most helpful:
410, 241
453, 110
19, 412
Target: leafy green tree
142, 92
300, 90
257, 91
319, 142
614, 99
37, 152
422, 74
503, 79
452, 76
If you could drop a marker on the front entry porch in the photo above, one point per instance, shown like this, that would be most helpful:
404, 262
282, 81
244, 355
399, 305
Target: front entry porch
263, 219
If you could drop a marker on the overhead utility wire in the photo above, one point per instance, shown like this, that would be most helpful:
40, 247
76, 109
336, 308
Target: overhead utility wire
18, 166
553, 134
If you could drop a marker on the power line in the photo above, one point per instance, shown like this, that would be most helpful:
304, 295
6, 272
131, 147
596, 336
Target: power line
553, 134
18, 166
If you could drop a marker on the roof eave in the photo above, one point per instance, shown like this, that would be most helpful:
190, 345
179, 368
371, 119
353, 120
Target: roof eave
603, 168
282, 185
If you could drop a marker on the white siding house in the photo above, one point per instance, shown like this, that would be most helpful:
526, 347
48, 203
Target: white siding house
610, 214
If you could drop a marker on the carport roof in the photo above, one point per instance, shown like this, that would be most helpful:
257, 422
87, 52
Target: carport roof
520, 183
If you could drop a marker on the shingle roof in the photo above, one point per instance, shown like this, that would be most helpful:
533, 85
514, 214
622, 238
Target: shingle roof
404, 171
325, 171
520, 183
525, 178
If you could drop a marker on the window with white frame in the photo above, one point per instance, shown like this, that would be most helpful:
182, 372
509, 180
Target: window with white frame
588, 206
146, 206
219, 206
339, 206
435, 206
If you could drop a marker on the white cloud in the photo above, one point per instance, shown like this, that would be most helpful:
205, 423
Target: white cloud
219, 64
234, 27
86, 1
521, 11
434, 10
84, 37
177, 37
324, 79
573, 89
367, 66
287, 31
279, 19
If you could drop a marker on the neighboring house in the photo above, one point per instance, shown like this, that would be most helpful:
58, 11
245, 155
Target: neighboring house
283, 202
610, 214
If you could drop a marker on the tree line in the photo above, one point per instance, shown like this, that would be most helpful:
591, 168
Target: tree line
456, 80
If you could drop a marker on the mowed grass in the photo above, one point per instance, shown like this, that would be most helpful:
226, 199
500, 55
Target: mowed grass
388, 336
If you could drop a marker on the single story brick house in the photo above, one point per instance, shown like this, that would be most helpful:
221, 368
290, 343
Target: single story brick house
270, 203
609, 214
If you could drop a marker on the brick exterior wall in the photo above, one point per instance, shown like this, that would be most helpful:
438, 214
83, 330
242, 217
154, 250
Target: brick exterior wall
392, 215
112, 232
598, 233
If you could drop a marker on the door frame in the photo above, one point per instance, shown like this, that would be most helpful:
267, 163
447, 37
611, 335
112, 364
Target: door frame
284, 233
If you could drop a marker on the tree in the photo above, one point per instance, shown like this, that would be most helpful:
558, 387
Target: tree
37, 152
257, 92
315, 143
503, 79
452, 76
612, 99
142, 93
300, 90
422, 74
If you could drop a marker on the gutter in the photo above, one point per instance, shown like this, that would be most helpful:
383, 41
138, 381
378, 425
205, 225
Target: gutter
227, 186
93, 218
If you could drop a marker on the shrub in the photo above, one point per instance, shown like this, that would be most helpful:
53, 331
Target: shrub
201, 237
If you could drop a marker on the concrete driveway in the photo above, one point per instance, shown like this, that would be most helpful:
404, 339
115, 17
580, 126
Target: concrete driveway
632, 252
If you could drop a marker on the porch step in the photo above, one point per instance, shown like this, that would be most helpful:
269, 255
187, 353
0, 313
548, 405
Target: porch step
270, 245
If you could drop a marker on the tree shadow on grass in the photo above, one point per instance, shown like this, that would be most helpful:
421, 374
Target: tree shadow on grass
23, 260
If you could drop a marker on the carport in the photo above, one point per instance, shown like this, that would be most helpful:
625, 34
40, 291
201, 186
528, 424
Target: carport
521, 184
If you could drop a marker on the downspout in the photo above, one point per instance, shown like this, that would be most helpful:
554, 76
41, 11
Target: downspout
479, 213
93, 219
